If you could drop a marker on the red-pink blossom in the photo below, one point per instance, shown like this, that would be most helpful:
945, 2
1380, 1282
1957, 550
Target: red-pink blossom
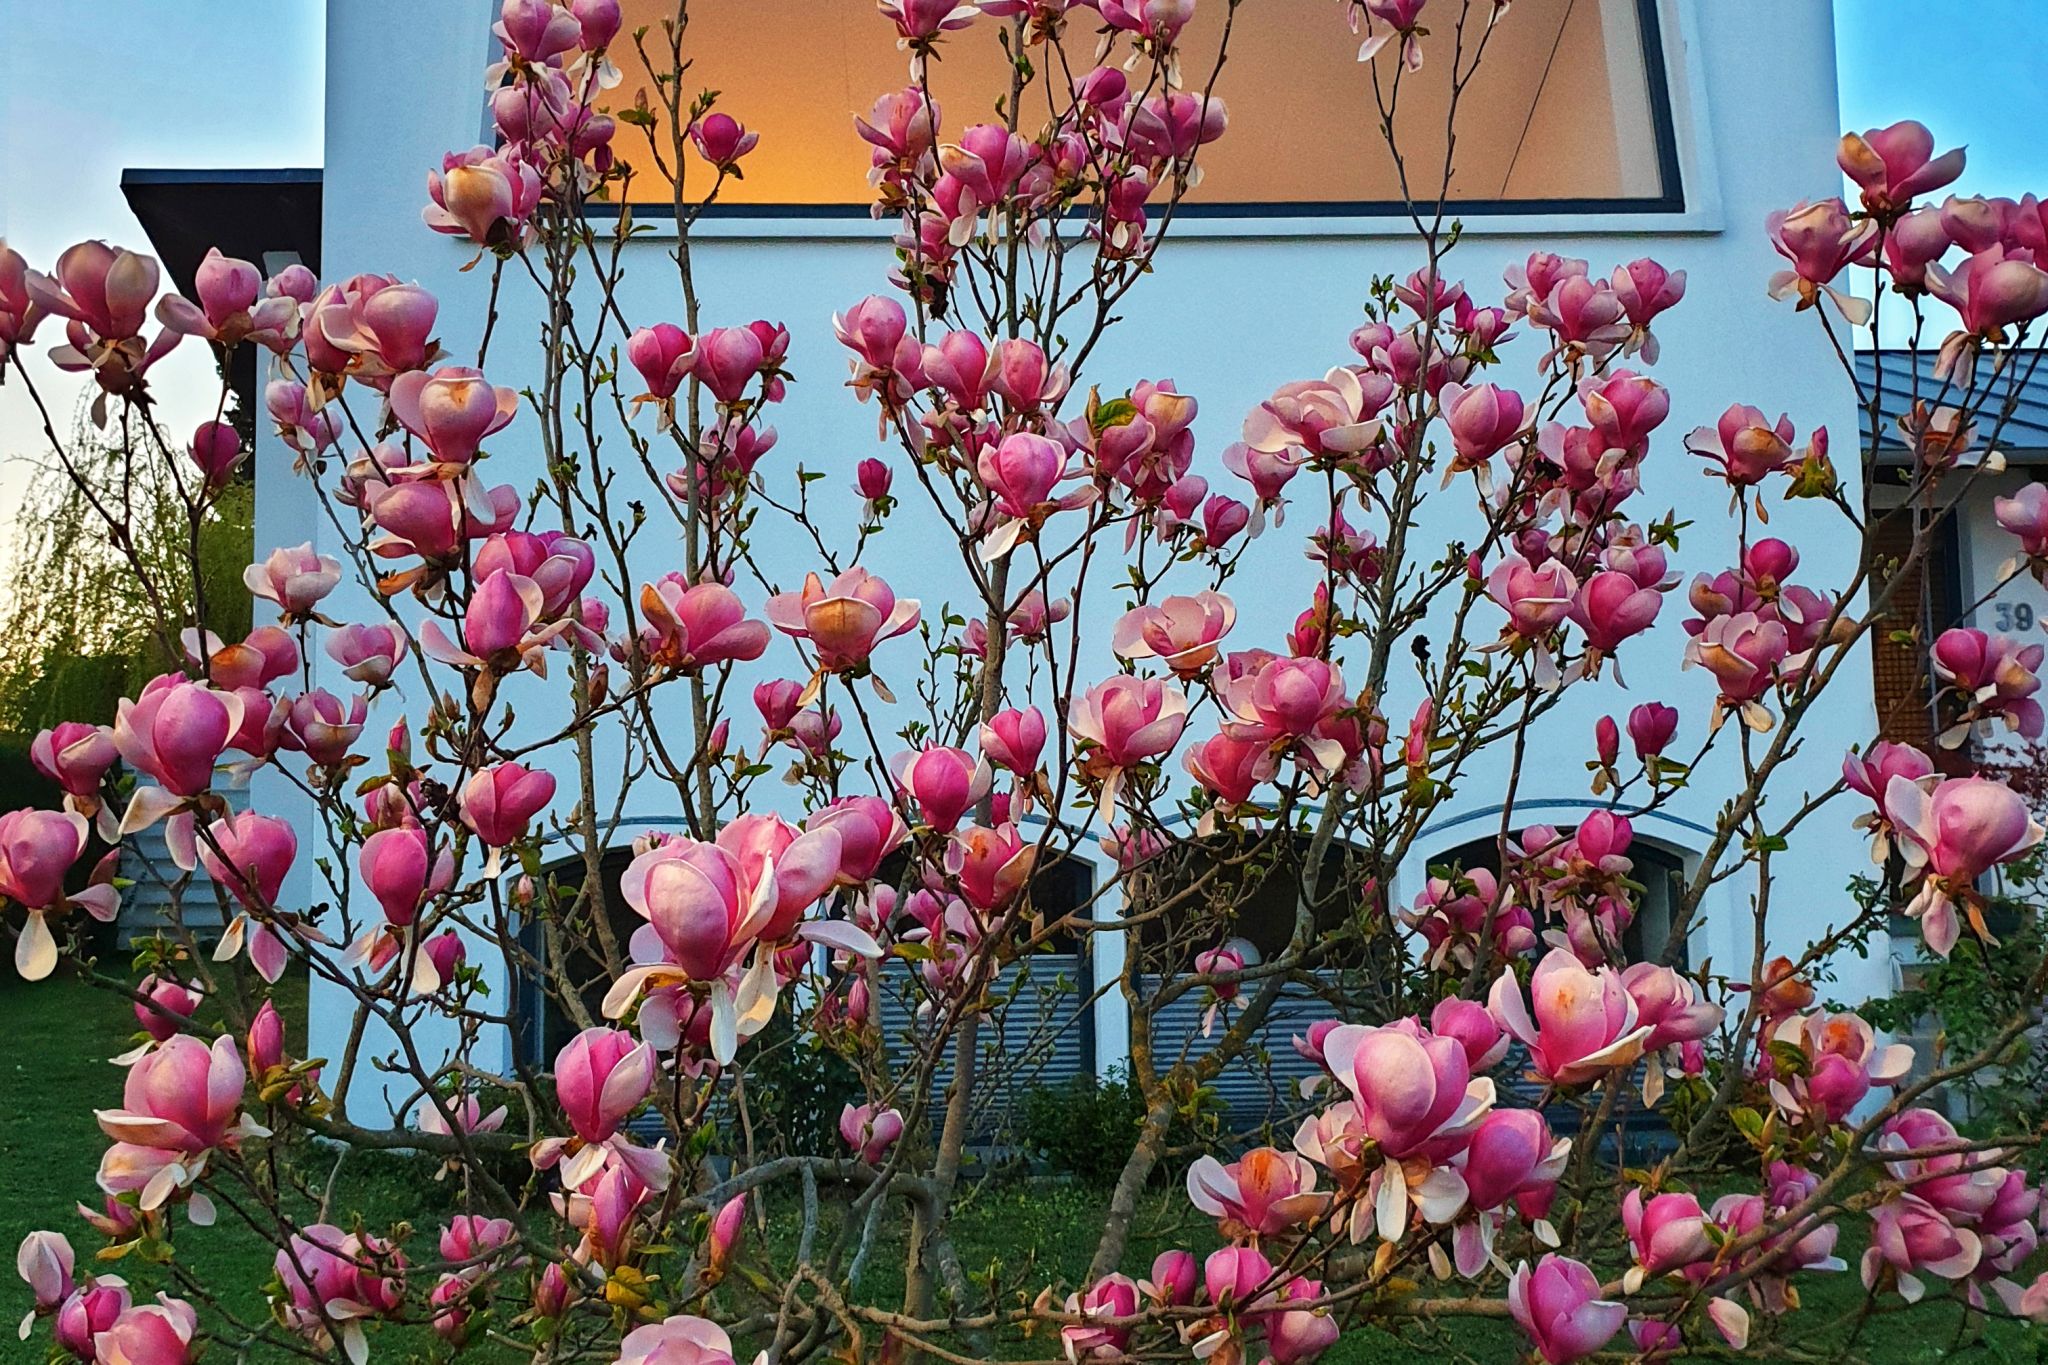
1559, 1306
944, 783
870, 1132
692, 626
845, 620
722, 140
1892, 165
1578, 1024
1182, 632
500, 801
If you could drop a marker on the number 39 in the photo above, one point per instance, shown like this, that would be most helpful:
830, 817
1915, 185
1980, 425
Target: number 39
2015, 616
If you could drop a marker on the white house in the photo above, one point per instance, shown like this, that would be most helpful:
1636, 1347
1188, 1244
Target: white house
1606, 129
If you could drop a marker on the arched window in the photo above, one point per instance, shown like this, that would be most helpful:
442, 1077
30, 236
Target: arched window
1659, 870
1250, 888
544, 1027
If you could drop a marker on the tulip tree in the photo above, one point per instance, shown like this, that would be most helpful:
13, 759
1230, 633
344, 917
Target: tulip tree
1447, 1161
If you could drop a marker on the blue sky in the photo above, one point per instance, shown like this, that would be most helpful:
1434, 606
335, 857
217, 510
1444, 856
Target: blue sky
1971, 70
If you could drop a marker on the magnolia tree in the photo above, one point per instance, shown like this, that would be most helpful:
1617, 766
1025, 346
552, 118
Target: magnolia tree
1457, 1154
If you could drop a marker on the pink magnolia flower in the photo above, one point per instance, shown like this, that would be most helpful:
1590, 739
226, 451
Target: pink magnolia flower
869, 830
1414, 1095
1113, 1296
1559, 1306
487, 196
1535, 599
2025, 515
180, 1101
159, 1333
400, 868
1966, 827
561, 565
1611, 607
1013, 739
1995, 675
231, 306
173, 734
943, 782
1624, 408
1958, 1184
75, 756
722, 1242
1229, 768
1645, 289
19, 310
1022, 473
1744, 653
663, 354
322, 726
104, 291
295, 579
1511, 1153
1264, 1193
1234, 1276
45, 1262
1328, 416
870, 1132
1746, 445
91, 1312
1820, 240
1182, 632
992, 866
1124, 722
1273, 699
1991, 290
1651, 728
452, 409
1843, 1060
692, 626
503, 628
1295, 1336
682, 1340
256, 851
333, 1279
499, 802
1172, 1281
845, 620
1474, 1028
1916, 240
163, 1002
1483, 420
1667, 1233
722, 140
601, 1077
1669, 1003
731, 359
37, 850
372, 328
1577, 1024
368, 654
1892, 165
1909, 1237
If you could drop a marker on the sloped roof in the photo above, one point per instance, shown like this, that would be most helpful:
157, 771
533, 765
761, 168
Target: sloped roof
1908, 375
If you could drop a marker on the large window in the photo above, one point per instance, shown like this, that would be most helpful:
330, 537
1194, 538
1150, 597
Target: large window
1569, 110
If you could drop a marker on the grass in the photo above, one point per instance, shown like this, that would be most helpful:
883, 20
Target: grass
1016, 1235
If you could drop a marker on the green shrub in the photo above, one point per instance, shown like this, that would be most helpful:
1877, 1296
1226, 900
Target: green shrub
1083, 1128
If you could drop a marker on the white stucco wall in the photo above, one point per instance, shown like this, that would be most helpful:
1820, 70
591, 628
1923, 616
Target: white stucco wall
1233, 311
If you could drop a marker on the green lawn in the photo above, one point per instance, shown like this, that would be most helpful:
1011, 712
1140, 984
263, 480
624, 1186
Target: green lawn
60, 1033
